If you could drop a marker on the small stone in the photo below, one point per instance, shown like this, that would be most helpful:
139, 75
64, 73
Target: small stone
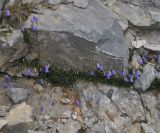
67, 114
18, 95
47, 117
54, 2
74, 115
138, 43
3, 110
63, 120
3, 123
65, 101
21, 113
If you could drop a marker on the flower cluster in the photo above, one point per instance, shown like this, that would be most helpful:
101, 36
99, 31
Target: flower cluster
127, 77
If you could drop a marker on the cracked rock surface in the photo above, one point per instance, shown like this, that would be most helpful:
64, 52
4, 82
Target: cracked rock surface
122, 111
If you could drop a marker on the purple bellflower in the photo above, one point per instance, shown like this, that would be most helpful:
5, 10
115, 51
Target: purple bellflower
122, 73
34, 28
113, 72
78, 102
107, 75
99, 67
138, 74
7, 13
29, 72
34, 19
46, 68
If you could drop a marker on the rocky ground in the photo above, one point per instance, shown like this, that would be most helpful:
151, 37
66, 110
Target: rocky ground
85, 108
117, 38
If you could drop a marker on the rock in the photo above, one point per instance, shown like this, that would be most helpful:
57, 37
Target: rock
65, 100
70, 127
134, 14
138, 43
12, 48
21, 113
81, 3
64, 120
18, 95
148, 10
94, 29
67, 114
3, 110
18, 128
147, 77
147, 129
136, 61
2, 123
74, 115
54, 2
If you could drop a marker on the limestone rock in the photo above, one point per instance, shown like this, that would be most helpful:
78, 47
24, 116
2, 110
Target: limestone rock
18, 95
21, 113
148, 76
71, 37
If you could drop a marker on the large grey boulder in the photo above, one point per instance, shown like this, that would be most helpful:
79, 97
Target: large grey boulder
148, 76
72, 37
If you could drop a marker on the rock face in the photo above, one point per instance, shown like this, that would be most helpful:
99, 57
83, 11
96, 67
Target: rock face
148, 76
71, 37
138, 12
139, 19
108, 109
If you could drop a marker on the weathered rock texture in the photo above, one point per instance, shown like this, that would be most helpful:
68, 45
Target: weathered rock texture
12, 48
71, 37
139, 19
111, 109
